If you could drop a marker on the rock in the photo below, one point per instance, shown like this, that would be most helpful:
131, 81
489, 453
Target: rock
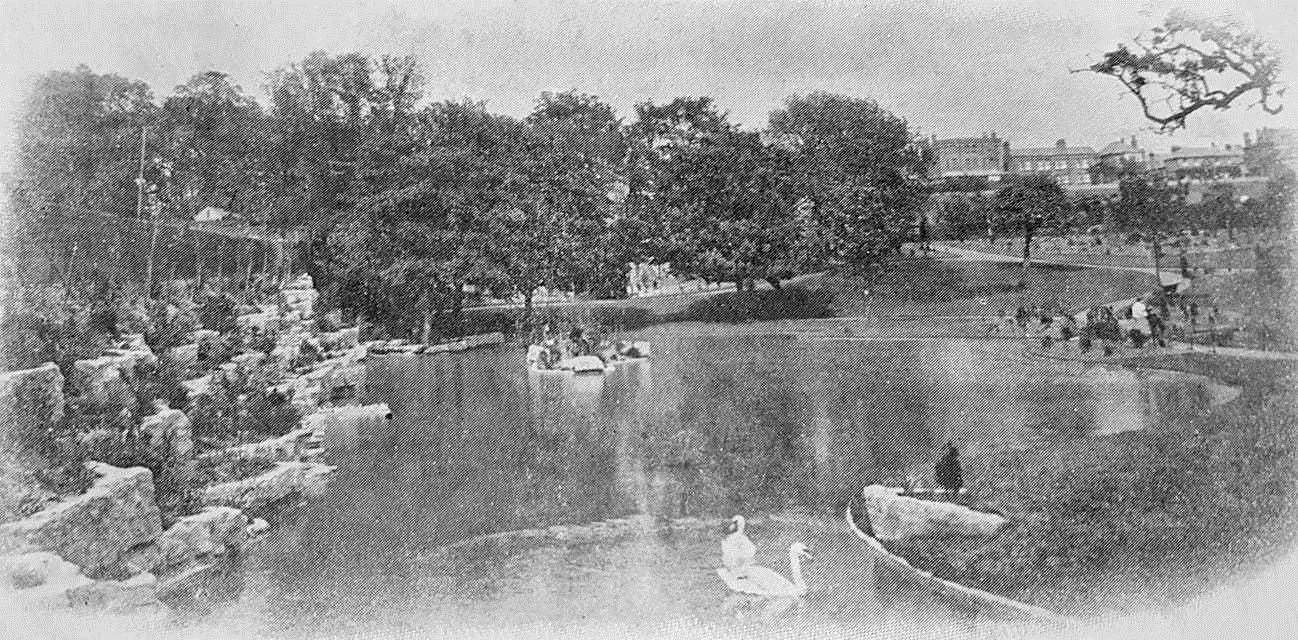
285, 479
170, 425
212, 532
116, 595
201, 336
288, 447
40, 580
30, 398
341, 339
346, 423
96, 529
894, 516
246, 362
100, 380
259, 321
145, 557
197, 386
300, 299
186, 355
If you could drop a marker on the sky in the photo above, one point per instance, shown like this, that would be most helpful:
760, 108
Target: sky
949, 68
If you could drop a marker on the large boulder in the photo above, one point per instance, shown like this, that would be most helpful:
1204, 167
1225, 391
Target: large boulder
288, 447
30, 399
173, 426
346, 423
211, 532
341, 339
285, 479
100, 379
185, 355
894, 516
96, 529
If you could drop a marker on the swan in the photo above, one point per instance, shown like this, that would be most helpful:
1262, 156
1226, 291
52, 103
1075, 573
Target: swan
765, 582
737, 550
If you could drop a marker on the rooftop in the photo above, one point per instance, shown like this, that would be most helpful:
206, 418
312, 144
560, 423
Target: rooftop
1053, 151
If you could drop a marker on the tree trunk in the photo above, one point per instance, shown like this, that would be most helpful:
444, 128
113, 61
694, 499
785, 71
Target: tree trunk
426, 334
457, 307
1027, 256
1157, 247
527, 311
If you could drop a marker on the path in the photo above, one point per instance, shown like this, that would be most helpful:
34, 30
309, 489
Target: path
1167, 278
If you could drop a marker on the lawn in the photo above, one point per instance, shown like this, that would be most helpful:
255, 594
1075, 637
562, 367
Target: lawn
1138, 519
956, 288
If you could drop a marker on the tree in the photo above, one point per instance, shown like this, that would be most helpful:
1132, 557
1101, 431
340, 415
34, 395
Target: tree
78, 157
732, 210
1188, 64
553, 213
859, 170
1150, 204
582, 124
1027, 207
961, 215
213, 133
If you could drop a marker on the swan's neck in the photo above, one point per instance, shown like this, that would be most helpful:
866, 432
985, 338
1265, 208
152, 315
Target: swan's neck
795, 567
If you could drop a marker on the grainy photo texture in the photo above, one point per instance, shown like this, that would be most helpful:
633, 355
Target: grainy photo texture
639, 319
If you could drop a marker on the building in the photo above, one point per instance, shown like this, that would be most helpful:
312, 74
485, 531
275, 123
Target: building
1117, 157
1068, 165
1204, 163
983, 157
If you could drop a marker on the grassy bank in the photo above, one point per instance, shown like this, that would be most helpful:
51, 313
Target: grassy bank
936, 288
1141, 518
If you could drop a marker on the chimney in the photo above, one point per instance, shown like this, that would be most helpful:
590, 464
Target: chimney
1060, 144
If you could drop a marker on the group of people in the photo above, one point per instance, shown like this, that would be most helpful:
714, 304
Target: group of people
579, 342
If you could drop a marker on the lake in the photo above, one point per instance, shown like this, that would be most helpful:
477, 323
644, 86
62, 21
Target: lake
714, 425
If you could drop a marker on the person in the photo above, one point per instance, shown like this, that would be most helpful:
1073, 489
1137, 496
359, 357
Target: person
947, 471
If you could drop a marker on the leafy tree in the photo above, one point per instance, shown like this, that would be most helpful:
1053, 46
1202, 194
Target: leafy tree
1188, 64
858, 169
213, 133
553, 214
582, 124
1027, 207
1150, 204
962, 215
78, 157
733, 207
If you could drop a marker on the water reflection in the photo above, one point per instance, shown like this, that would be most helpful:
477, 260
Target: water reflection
713, 426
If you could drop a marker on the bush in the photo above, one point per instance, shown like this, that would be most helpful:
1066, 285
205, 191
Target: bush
750, 306
242, 404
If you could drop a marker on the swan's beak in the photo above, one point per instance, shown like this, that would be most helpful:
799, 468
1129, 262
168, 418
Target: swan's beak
806, 555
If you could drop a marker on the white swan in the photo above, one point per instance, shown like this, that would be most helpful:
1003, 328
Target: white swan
765, 582
737, 550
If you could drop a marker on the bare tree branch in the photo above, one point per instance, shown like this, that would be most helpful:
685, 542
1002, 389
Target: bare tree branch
1188, 64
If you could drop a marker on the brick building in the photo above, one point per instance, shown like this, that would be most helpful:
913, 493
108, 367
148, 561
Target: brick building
1068, 165
983, 157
